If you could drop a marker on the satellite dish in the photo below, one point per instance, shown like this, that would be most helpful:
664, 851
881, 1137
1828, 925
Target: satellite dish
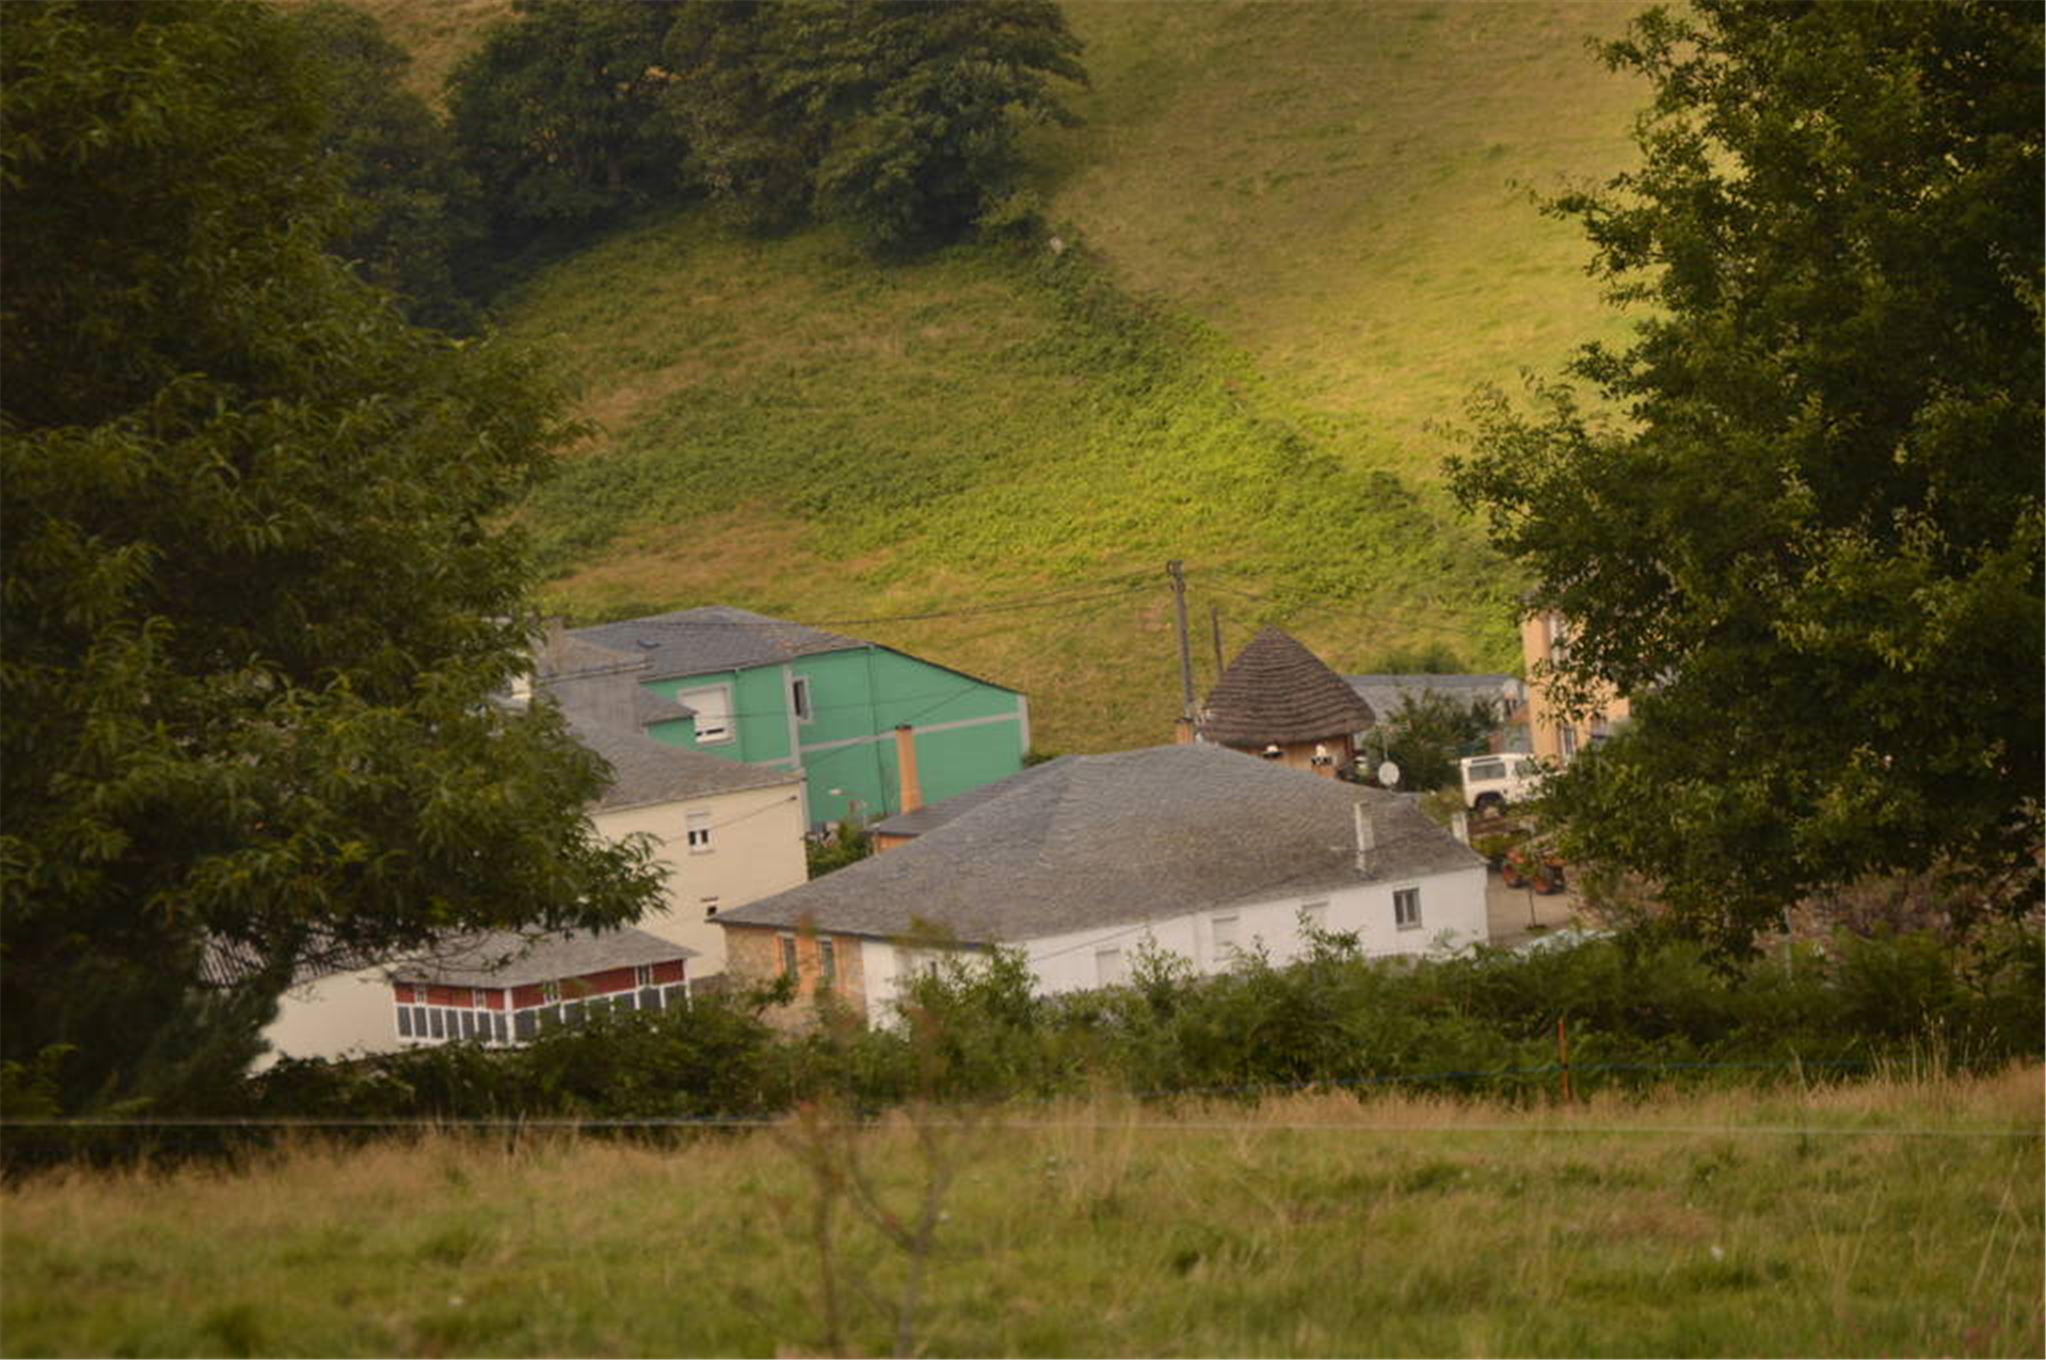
1389, 774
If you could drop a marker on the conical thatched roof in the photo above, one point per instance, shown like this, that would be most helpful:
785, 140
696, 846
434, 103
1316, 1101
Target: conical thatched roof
1278, 691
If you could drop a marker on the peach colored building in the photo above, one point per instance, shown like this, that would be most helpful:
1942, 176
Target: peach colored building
1545, 643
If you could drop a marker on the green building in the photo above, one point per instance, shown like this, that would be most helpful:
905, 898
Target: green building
765, 692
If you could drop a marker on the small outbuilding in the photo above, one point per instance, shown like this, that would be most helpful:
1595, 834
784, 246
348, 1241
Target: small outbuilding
1279, 701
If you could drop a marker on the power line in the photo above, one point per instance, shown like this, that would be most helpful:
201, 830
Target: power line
1003, 607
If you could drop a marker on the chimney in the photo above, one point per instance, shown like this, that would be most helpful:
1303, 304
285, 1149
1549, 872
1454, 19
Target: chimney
905, 765
1182, 731
1367, 840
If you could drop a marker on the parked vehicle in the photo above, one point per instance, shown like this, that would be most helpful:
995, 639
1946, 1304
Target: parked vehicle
1491, 782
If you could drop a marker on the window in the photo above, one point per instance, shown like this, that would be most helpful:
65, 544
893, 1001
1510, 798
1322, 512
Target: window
1406, 908
799, 697
827, 962
1108, 968
1487, 769
713, 713
1566, 742
1559, 639
1225, 933
699, 833
643, 976
710, 907
550, 992
1313, 917
479, 998
788, 955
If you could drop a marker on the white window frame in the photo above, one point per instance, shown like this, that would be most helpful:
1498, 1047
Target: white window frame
714, 701
1402, 900
550, 993
1566, 742
696, 831
827, 962
1110, 968
785, 947
643, 975
799, 698
1222, 930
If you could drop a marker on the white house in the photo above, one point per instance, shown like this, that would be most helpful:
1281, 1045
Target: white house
1197, 849
724, 834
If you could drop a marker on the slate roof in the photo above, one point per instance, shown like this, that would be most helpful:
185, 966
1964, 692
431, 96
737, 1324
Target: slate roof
647, 771
931, 816
506, 959
1278, 691
712, 638
1097, 840
1384, 692
649, 707
566, 654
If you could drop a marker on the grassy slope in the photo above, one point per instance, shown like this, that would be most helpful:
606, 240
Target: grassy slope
1899, 1224
1301, 243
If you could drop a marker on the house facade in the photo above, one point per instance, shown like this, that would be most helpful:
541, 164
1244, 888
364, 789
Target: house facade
1545, 642
787, 697
722, 833
1085, 860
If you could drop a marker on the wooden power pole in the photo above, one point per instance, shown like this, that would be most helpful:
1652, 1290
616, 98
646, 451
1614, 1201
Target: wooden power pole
1178, 575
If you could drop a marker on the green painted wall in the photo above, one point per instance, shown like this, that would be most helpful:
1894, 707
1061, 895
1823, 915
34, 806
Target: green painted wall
857, 698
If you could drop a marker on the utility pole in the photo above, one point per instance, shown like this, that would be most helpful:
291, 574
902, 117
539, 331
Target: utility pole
1178, 576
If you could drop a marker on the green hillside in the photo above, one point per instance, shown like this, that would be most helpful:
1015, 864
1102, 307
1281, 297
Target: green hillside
1294, 236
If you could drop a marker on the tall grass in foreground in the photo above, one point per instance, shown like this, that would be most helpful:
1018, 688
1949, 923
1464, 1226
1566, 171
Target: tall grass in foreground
1894, 1217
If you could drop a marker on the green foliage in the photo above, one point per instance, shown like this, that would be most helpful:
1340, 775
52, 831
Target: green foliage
898, 116
1813, 555
1427, 734
849, 844
412, 210
559, 114
1642, 1013
252, 612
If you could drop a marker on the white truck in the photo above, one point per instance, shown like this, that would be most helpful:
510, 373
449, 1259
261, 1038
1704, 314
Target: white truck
1491, 782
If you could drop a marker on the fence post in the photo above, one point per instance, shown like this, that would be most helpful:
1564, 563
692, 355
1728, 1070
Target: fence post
1563, 1057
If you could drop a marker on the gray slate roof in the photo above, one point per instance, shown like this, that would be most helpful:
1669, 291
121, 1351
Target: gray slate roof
647, 771
1278, 691
1087, 841
1384, 692
712, 638
649, 707
505, 959
566, 654
931, 816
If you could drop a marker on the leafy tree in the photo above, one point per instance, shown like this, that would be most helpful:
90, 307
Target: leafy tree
1428, 733
413, 210
252, 603
560, 115
899, 116
1807, 542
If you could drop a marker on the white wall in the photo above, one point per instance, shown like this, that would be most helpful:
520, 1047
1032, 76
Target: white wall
1452, 914
756, 850
1452, 917
337, 1016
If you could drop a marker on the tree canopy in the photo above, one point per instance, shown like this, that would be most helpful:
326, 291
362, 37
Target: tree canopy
1801, 524
411, 209
560, 112
253, 601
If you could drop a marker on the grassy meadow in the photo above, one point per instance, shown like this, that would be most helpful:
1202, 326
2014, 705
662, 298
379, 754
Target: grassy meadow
1291, 238
1898, 1217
